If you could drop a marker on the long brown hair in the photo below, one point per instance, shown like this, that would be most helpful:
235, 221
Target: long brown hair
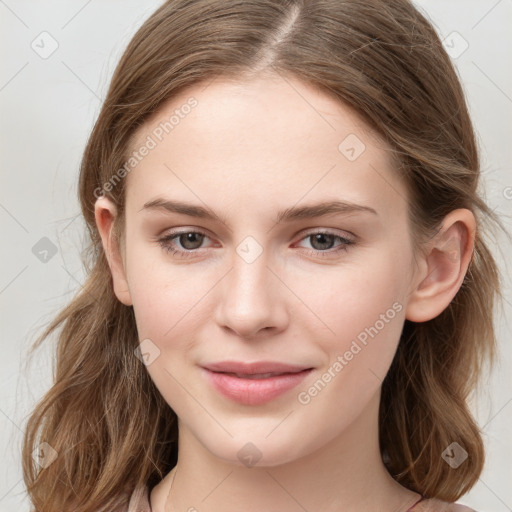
104, 417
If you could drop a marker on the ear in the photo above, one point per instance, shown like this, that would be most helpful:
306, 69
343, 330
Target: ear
443, 267
105, 212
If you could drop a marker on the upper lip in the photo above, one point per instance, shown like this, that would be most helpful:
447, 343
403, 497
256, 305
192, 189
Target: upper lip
258, 367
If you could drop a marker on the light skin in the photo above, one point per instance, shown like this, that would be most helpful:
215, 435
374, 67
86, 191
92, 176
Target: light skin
247, 151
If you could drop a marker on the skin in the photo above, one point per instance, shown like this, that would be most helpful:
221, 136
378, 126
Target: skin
245, 152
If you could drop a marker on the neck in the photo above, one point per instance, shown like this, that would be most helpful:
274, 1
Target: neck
347, 474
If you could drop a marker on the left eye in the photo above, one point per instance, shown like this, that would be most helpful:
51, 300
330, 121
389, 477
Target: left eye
321, 239
191, 241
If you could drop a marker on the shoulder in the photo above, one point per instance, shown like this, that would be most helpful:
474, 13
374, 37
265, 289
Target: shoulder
434, 505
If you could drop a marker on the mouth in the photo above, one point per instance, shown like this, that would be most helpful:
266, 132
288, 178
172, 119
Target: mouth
254, 383
255, 375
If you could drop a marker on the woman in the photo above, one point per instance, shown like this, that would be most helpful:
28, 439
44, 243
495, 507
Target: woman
289, 297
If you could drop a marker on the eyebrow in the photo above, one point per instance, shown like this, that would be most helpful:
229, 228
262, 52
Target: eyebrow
287, 215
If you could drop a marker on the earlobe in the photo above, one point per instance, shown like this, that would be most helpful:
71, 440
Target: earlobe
105, 213
444, 267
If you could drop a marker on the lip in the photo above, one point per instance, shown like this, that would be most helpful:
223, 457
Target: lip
254, 383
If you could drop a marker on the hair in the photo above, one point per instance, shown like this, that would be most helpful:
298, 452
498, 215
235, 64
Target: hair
111, 428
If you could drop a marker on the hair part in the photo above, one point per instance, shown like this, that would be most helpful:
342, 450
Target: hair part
103, 415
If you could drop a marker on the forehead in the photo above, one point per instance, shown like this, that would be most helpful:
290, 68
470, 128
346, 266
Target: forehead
264, 137
265, 106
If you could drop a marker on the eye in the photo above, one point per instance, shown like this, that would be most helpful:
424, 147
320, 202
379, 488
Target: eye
322, 241
190, 242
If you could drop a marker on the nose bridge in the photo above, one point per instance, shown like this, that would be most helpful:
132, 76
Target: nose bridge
250, 278
250, 299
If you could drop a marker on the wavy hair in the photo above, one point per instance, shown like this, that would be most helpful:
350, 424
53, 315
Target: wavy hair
109, 425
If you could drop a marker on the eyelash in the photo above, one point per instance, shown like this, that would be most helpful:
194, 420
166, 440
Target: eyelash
165, 244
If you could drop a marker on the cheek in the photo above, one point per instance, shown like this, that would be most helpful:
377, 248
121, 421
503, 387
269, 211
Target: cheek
168, 312
160, 290
354, 298
166, 307
364, 308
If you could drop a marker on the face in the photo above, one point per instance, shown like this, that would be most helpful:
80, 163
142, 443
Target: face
265, 278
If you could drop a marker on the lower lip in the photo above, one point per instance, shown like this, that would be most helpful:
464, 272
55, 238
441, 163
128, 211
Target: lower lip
254, 391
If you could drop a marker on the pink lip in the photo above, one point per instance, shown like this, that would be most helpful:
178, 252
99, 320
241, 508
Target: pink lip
257, 390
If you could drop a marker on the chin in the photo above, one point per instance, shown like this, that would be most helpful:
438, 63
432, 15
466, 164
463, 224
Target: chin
255, 451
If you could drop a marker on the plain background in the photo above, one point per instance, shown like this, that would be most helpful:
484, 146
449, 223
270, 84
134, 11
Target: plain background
48, 106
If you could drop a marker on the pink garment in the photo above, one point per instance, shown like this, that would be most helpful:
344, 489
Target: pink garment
139, 502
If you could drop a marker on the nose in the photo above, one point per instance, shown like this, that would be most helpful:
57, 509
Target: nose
252, 299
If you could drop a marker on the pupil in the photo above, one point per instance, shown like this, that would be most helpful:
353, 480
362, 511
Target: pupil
189, 239
321, 237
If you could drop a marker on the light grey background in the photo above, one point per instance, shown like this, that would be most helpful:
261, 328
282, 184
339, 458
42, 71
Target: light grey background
48, 106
